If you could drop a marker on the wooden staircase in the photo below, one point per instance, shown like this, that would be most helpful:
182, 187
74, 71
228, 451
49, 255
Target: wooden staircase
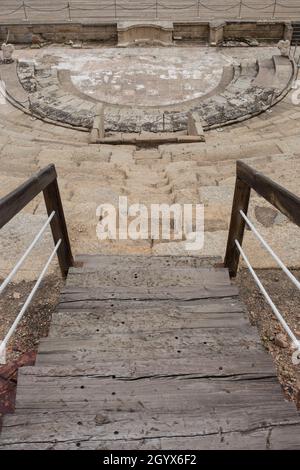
150, 353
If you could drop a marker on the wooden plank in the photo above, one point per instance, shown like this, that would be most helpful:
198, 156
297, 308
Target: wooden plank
237, 225
120, 318
143, 276
79, 297
237, 400
280, 437
15, 201
126, 410
134, 261
156, 345
258, 364
59, 226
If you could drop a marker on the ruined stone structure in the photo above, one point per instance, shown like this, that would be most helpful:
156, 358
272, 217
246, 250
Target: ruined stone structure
137, 317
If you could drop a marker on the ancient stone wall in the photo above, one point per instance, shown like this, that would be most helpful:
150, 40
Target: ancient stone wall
271, 31
59, 32
264, 31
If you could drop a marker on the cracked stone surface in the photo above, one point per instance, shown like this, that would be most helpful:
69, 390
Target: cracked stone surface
151, 89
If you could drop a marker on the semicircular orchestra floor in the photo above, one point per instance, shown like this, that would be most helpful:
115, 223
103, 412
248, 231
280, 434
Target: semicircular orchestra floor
153, 89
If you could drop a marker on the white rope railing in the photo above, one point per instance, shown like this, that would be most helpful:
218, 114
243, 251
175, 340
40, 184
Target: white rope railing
269, 249
295, 341
238, 8
26, 254
12, 329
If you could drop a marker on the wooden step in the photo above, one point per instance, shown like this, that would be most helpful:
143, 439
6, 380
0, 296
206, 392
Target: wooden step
119, 317
92, 412
188, 342
144, 277
79, 297
135, 261
150, 352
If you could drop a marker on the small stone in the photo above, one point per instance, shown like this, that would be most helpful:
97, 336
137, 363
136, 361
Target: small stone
16, 295
280, 341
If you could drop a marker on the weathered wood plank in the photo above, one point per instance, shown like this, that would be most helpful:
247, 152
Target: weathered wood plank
58, 226
156, 345
122, 410
279, 437
137, 261
255, 365
150, 365
92, 297
237, 225
143, 276
15, 201
119, 319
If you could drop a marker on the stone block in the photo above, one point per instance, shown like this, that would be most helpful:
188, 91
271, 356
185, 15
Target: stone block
134, 32
216, 32
98, 130
195, 126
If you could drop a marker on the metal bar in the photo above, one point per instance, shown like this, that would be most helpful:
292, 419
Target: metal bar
274, 9
240, 9
25, 255
27, 303
69, 12
269, 249
294, 339
25, 12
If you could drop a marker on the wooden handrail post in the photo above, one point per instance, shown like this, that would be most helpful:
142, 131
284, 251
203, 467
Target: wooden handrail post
237, 225
59, 226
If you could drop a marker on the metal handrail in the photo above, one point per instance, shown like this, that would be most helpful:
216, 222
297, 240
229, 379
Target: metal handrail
19, 317
269, 249
26, 254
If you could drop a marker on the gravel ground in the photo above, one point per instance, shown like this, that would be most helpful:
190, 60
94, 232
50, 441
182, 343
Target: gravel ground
287, 298
35, 324
36, 321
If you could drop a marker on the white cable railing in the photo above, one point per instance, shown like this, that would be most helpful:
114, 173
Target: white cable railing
158, 9
295, 341
4, 342
26, 254
269, 249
